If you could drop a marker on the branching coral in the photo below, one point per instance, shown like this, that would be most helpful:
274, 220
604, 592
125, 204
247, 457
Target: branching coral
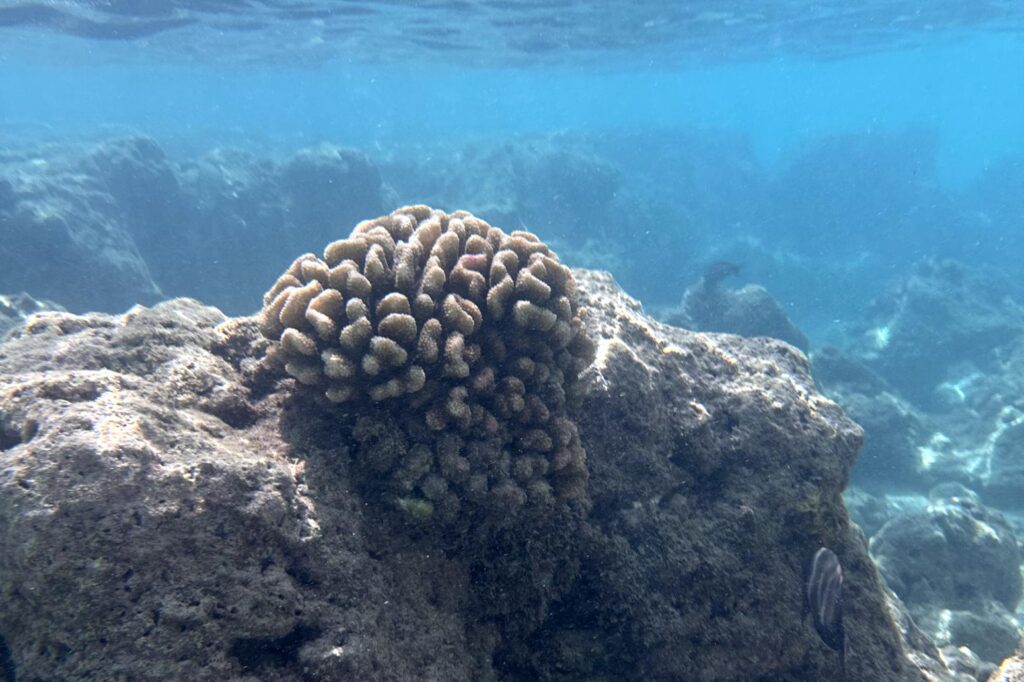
455, 343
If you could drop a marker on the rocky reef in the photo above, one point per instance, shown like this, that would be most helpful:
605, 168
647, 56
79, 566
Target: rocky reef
171, 508
64, 234
956, 565
105, 225
708, 305
933, 375
930, 368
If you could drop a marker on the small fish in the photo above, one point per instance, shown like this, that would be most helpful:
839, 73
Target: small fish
823, 597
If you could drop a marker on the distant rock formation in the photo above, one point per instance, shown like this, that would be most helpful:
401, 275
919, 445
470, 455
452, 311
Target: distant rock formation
709, 306
112, 224
65, 237
956, 565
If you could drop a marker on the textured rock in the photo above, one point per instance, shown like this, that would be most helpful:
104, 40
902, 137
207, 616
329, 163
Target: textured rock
157, 525
1005, 481
871, 512
716, 472
168, 512
942, 315
966, 665
1012, 669
949, 663
957, 567
982, 442
15, 309
992, 415
979, 407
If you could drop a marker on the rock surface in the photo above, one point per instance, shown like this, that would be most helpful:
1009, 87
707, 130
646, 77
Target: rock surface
747, 311
938, 385
167, 511
871, 512
957, 567
942, 315
15, 309
1012, 669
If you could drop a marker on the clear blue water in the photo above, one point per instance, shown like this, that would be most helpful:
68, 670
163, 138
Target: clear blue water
779, 80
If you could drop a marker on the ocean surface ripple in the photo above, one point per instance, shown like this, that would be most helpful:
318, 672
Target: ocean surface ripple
506, 32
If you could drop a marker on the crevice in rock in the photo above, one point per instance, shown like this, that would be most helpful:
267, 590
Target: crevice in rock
260, 653
8, 671
13, 434
233, 411
8, 439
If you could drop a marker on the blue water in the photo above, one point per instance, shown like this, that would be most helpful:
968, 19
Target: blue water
970, 91
273, 78
197, 76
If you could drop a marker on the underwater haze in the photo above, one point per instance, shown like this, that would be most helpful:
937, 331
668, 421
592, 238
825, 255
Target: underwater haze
843, 176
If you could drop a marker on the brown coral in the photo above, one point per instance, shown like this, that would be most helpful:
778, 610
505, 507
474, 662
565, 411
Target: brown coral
461, 336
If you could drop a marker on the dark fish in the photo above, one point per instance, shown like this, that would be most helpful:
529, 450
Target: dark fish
717, 271
823, 597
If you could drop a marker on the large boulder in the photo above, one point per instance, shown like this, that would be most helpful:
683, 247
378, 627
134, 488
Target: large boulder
895, 432
108, 225
750, 310
940, 318
956, 565
169, 511
991, 419
716, 472
65, 236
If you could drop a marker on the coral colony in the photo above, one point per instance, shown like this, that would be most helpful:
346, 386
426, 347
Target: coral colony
463, 337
